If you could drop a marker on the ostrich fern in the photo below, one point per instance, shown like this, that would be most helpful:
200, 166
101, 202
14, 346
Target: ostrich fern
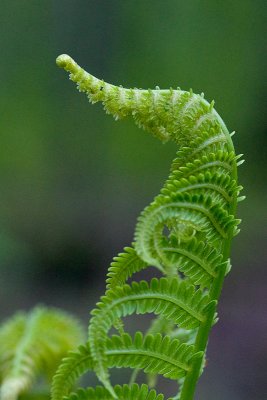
185, 233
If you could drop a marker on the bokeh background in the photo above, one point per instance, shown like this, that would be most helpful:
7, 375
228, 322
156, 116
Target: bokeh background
73, 180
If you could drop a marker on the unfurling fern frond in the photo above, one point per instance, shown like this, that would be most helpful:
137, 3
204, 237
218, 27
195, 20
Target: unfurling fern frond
185, 232
33, 344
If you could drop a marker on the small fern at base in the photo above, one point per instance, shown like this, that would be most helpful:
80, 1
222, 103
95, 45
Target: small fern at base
32, 345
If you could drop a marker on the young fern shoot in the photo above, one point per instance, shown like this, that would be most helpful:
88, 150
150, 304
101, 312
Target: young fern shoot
185, 232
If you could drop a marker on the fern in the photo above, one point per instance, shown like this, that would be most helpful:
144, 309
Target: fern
185, 232
32, 345
121, 392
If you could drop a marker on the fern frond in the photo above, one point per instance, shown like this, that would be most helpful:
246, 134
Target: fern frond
197, 260
33, 344
185, 232
124, 392
176, 301
71, 368
217, 185
152, 353
11, 333
123, 267
221, 162
196, 211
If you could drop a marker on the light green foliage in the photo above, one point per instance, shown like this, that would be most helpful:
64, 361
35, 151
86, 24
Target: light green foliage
33, 344
185, 232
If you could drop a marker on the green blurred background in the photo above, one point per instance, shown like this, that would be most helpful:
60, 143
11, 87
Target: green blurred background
73, 180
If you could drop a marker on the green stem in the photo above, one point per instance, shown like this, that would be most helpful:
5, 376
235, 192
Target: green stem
191, 379
189, 386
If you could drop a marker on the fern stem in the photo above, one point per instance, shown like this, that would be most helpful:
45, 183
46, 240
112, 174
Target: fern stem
189, 385
191, 379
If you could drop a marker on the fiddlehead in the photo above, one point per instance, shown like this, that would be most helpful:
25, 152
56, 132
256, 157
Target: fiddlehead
185, 232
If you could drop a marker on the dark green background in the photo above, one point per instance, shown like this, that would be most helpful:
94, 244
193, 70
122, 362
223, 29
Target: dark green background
73, 180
